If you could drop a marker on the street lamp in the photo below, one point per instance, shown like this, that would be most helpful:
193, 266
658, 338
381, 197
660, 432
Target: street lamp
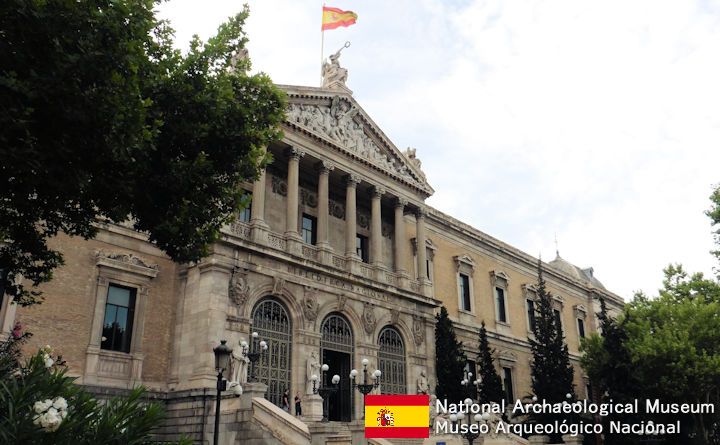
222, 362
365, 387
325, 390
253, 351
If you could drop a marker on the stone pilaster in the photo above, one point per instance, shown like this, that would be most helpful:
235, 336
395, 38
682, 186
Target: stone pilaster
257, 211
294, 241
376, 226
352, 182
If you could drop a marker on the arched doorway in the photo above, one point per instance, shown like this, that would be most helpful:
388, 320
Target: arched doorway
271, 321
391, 361
337, 350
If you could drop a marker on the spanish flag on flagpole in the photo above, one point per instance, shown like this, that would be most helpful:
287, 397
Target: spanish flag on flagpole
395, 417
334, 18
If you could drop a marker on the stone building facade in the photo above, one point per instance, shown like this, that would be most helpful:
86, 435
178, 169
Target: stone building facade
338, 259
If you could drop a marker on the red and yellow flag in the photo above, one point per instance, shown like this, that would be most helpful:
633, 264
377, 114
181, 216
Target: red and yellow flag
334, 18
395, 417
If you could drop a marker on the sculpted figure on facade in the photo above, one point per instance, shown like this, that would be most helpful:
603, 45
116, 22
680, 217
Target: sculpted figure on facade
422, 383
342, 299
238, 287
310, 304
417, 330
332, 72
278, 285
368, 318
410, 153
312, 368
394, 316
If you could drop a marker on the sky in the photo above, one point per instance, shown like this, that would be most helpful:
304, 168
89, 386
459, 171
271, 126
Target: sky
596, 123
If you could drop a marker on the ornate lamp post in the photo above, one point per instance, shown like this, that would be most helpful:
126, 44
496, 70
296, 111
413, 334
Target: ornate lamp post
365, 387
470, 435
222, 363
325, 390
253, 351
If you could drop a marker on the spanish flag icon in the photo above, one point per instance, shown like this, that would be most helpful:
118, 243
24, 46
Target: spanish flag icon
396, 417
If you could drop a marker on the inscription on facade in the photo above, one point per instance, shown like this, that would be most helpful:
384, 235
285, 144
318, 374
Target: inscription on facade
335, 282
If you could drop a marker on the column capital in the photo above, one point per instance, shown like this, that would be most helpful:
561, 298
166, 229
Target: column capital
352, 180
377, 191
400, 202
295, 153
421, 212
325, 167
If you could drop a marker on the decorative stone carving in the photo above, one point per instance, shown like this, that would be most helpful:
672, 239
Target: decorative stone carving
417, 330
336, 209
394, 316
308, 198
239, 365
278, 285
414, 161
238, 286
387, 230
342, 299
340, 123
332, 73
312, 368
422, 383
310, 304
363, 220
278, 186
238, 61
368, 318
127, 258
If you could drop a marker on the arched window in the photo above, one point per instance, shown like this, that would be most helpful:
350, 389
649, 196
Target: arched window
271, 321
391, 361
337, 351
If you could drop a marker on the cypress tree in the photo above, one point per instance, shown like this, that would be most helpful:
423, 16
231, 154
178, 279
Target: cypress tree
490, 388
551, 371
449, 360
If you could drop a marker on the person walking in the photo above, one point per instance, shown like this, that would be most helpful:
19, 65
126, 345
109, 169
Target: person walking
286, 401
298, 405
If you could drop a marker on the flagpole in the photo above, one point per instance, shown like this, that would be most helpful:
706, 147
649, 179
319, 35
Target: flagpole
322, 45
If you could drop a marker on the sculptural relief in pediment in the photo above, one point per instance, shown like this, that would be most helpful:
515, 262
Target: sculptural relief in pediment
339, 123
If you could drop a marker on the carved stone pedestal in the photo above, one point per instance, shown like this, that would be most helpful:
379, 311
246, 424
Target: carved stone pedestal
312, 408
258, 232
250, 391
294, 243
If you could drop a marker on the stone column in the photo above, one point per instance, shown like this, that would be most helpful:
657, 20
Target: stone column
376, 226
325, 250
294, 241
257, 210
421, 251
400, 248
352, 182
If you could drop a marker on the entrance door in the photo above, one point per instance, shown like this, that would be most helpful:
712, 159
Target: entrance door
340, 402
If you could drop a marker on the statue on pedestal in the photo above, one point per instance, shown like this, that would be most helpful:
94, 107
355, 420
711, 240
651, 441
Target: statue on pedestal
239, 366
313, 368
422, 383
332, 73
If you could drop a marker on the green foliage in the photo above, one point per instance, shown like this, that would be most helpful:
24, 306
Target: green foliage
551, 371
449, 359
490, 388
123, 421
714, 214
102, 119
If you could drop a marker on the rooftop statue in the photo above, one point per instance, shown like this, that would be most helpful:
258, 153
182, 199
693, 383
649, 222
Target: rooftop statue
333, 74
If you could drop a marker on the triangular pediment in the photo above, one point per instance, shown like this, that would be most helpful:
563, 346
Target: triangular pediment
336, 119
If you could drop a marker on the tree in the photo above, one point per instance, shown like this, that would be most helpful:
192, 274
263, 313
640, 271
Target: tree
449, 359
40, 405
490, 388
714, 214
551, 371
103, 120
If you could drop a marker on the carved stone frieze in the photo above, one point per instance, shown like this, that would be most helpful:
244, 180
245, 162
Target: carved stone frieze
342, 299
278, 285
308, 198
238, 287
127, 258
340, 123
394, 316
368, 318
336, 209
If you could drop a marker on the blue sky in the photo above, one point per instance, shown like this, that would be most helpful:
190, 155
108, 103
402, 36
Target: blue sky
595, 121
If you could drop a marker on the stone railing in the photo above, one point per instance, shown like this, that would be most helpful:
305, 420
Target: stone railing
240, 229
339, 262
366, 270
391, 278
277, 241
415, 286
283, 426
309, 252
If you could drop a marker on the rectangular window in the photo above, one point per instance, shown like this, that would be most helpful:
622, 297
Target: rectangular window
427, 268
361, 246
558, 318
508, 386
119, 314
581, 327
309, 229
530, 305
500, 299
244, 214
465, 291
